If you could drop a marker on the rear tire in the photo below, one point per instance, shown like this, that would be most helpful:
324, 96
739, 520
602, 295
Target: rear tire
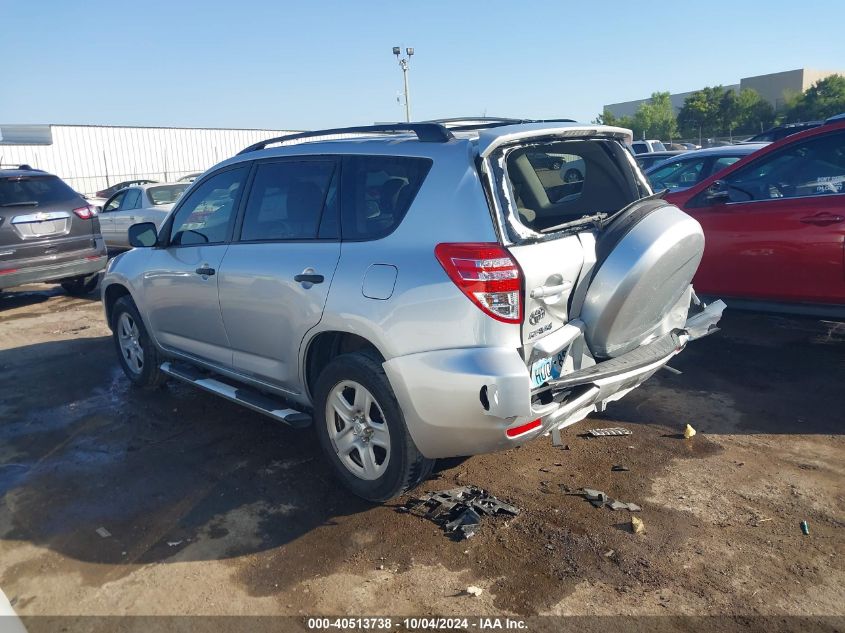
362, 431
136, 353
81, 286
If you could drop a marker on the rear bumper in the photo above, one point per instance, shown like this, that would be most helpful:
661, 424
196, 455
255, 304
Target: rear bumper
460, 402
88, 264
441, 397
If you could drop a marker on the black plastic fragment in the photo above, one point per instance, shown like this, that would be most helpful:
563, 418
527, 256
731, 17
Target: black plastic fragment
459, 511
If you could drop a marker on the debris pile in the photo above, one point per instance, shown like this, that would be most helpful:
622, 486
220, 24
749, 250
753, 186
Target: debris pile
459, 510
600, 499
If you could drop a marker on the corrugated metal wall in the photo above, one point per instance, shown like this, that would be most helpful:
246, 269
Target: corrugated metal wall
90, 158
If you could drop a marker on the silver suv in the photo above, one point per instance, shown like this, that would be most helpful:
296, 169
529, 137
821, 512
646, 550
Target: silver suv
418, 291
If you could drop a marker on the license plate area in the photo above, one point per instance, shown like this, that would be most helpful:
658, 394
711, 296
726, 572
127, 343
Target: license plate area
547, 369
42, 224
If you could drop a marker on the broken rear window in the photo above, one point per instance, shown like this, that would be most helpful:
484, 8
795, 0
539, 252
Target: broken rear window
563, 181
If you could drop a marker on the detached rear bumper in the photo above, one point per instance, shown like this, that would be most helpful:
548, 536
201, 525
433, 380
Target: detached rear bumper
463, 401
92, 263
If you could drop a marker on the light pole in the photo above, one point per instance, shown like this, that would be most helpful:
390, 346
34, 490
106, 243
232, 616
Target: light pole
403, 63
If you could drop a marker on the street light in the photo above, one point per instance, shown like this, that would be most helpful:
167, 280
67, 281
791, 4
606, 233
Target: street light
403, 63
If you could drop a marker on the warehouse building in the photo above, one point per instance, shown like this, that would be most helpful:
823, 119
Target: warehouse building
771, 87
92, 157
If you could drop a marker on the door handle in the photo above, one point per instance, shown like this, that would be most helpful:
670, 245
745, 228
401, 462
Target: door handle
205, 270
309, 278
822, 219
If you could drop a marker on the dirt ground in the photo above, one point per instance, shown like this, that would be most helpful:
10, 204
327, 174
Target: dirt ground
212, 509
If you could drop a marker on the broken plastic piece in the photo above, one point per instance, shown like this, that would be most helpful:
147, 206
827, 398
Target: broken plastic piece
637, 525
472, 590
459, 510
619, 468
103, 532
805, 528
174, 543
688, 432
606, 432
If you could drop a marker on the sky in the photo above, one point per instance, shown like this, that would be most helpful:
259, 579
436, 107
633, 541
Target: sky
323, 63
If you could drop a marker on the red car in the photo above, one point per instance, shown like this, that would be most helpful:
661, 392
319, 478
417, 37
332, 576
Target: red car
774, 223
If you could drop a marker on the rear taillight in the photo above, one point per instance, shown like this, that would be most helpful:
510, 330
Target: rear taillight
487, 274
86, 212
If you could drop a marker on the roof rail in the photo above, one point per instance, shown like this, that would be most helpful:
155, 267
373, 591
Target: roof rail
426, 132
482, 122
23, 167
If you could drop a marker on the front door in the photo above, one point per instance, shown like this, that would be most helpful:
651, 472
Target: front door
180, 283
779, 235
275, 277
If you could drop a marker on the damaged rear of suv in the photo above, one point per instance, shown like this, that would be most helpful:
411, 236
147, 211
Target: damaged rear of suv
417, 291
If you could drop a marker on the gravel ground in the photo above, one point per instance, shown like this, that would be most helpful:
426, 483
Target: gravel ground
212, 509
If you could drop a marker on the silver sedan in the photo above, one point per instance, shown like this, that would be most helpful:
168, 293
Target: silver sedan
142, 203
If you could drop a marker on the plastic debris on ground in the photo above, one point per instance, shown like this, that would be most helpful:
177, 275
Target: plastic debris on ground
688, 432
608, 432
600, 499
459, 510
472, 590
805, 528
619, 468
103, 532
637, 525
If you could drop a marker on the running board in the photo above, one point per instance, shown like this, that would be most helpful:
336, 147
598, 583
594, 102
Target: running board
244, 396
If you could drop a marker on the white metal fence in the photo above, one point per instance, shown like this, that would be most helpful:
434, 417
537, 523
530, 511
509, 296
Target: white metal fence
90, 158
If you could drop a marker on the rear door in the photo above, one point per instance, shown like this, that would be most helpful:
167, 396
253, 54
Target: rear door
275, 277
181, 278
780, 234
38, 220
110, 208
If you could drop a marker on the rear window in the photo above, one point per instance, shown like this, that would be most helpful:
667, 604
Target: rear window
377, 192
43, 190
166, 194
563, 181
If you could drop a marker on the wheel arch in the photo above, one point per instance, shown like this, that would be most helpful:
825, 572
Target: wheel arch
111, 294
327, 345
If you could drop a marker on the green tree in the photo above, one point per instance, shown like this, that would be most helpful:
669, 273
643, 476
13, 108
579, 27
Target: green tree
701, 115
608, 118
824, 98
755, 113
656, 118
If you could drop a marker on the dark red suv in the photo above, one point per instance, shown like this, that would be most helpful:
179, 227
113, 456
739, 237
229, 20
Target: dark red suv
774, 223
48, 232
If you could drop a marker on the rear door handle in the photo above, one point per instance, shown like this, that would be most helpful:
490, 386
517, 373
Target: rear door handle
822, 219
205, 270
304, 278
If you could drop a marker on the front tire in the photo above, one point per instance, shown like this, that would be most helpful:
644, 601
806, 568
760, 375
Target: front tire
136, 353
362, 431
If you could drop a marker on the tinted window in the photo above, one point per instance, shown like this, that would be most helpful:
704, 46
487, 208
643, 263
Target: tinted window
206, 214
114, 203
41, 189
165, 194
725, 161
677, 174
808, 168
378, 191
286, 200
131, 200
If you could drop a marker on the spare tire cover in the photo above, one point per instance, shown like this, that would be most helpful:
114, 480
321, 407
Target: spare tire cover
640, 278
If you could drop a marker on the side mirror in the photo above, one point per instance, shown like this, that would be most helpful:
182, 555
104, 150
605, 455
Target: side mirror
717, 192
143, 234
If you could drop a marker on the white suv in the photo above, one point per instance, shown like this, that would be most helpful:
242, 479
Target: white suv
416, 291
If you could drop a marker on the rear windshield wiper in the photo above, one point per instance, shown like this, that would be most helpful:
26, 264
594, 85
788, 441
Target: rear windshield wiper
31, 203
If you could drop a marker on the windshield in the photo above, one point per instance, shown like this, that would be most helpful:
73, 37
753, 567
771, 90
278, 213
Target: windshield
166, 194
676, 174
42, 190
559, 182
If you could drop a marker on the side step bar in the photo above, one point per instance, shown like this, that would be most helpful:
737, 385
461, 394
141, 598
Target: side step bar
249, 398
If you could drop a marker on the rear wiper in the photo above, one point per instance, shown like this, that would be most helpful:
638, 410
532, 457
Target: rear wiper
31, 203
598, 218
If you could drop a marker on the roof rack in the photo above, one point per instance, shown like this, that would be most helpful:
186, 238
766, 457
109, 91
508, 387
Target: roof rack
23, 167
428, 132
460, 124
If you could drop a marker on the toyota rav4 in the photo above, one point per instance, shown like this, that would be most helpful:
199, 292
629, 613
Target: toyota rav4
417, 291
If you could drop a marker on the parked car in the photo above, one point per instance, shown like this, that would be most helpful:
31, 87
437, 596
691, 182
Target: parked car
689, 168
775, 223
782, 131
649, 159
142, 203
643, 147
108, 192
189, 178
48, 233
413, 291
